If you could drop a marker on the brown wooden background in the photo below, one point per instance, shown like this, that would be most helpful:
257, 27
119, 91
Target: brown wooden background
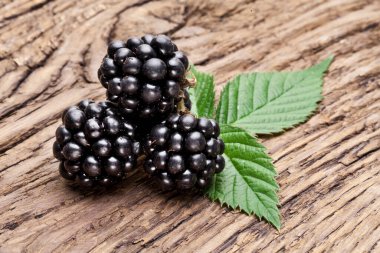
328, 168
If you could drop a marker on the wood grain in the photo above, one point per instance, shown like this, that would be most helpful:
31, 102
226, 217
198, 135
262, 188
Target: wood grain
329, 170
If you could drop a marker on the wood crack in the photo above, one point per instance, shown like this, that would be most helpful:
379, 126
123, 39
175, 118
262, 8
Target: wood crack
27, 11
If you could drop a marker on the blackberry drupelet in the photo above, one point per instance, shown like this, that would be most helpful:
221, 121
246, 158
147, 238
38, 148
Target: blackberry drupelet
95, 145
145, 76
184, 152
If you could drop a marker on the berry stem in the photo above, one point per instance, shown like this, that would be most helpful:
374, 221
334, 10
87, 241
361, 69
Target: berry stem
181, 108
190, 80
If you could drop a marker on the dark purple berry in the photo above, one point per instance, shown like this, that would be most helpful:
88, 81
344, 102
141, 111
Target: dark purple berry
219, 163
129, 103
80, 138
212, 148
171, 88
93, 128
197, 162
74, 119
195, 142
166, 181
172, 121
134, 42
186, 180
221, 146
106, 181
103, 80
57, 151
187, 123
114, 46
128, 166
159, 159
111, 125
114, 87
183, 58
176, 164
175, 142
150, 93
113, 167
121, 54
136, 148
108, 67
112, 98
159, 135
102, 147
149, 167
145, 52
72, 167
163, 45
128, 129
64, 173
216, 129
154, 69
131, 66
72, 151
123, 147
148, 38
93, 110
84, 181
62, 134
205, 126
91, 166
209, 170
84, 103
202, 182
147, 112
129, 85
176, 70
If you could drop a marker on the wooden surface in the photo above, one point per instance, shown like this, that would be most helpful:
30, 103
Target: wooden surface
328, 168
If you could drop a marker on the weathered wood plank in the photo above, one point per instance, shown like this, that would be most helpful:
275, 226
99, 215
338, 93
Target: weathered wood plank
329, 169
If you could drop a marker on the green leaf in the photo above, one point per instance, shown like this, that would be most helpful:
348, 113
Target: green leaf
203, 94
264, 103
248, 180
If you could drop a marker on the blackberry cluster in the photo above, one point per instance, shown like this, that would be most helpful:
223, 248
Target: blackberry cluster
98, 143
145, 76
184, 152
95, 144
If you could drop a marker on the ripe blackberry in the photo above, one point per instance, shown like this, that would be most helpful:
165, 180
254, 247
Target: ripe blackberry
144, 76
184, 152
95, 144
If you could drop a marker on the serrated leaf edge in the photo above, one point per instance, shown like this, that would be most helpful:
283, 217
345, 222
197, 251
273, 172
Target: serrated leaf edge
214, 197
317, 69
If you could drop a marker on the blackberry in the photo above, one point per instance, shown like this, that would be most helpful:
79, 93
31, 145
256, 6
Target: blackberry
95, 144
145, 76
184, 152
